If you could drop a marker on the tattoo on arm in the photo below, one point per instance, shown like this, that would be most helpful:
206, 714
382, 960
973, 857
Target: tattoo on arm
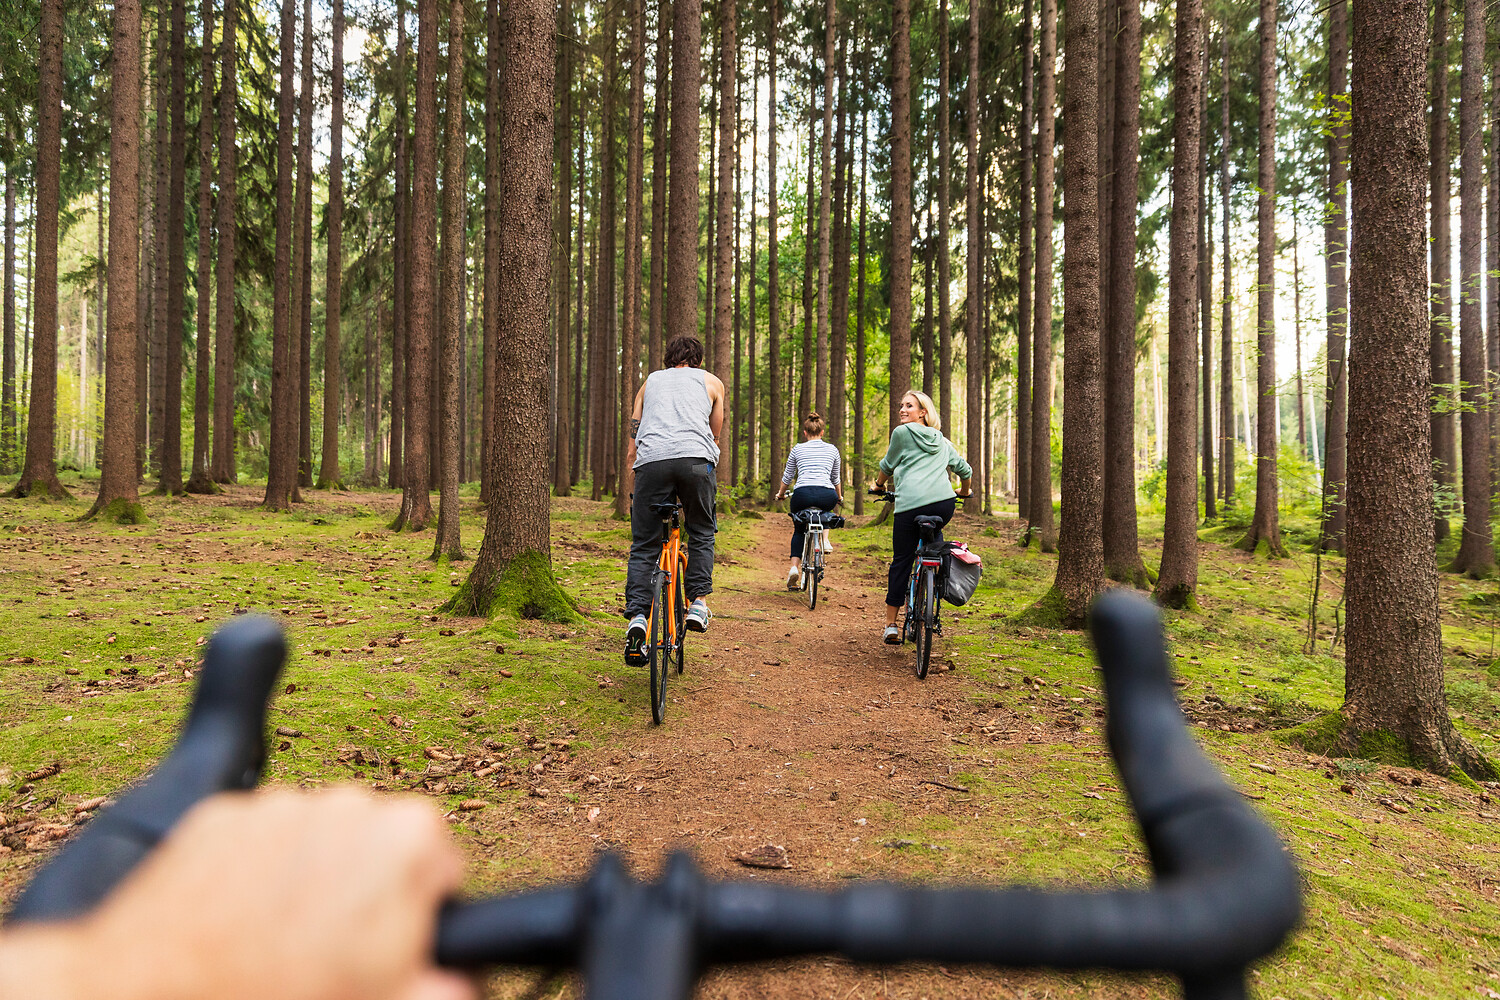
635, 426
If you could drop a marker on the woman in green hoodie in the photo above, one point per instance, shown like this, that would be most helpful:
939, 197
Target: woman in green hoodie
919, 460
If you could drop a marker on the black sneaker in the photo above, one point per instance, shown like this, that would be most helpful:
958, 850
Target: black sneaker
635, 642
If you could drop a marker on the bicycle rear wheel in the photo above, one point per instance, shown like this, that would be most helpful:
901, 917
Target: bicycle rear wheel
681, 613
926, 611
657, 650
812, 569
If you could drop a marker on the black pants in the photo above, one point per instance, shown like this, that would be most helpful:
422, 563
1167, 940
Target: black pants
904, 539
690, 481
809, 498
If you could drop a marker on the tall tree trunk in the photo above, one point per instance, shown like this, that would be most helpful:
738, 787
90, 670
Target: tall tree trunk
1226, 327
1444, 448
1122, 554
1492, 293
682, 226
1265, 524
146, 279
773, 294
224, 382
562, 469
634, 221
825, 209
514, 566
1205, 290
1024, 286
838, 336
1080, 564
416, 504
609, 368
303, 276
401, 269
171, 448
659, 117
448, 544
1476, 549
806, 399
974, 360
491, 315
900, 314
161, 228
118, 500
1177, 584
1393, 681
8, 349
860, 416
580, 414
281, 473
729, 143
328, 472
1039, 517
200, 481
1297, 337
752, 421
371, 407
944, 198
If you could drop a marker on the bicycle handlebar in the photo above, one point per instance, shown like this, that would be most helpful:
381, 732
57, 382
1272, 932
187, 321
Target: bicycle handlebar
1226, 891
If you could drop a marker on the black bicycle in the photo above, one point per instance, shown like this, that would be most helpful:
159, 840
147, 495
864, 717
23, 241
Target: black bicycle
815, 525
1226, 892
921, 614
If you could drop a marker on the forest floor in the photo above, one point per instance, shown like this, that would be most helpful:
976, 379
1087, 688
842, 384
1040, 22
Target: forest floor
789, 727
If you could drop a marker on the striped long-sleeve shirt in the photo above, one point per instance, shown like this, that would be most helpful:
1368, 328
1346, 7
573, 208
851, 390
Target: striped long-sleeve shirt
813, 463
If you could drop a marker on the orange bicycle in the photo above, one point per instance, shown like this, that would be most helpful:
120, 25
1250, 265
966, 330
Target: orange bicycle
667, 625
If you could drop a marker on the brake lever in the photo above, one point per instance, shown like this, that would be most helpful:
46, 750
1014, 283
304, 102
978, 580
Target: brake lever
222, 748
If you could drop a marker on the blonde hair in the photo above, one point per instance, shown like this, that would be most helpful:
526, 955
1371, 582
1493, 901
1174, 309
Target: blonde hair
813, 425
930, 412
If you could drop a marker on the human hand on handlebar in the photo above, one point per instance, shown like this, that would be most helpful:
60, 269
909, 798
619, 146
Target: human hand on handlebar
282, 894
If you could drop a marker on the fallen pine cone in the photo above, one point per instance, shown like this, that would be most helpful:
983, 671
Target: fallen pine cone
89, 805
1393, 806
766, 856
288, 731
472, 805
44, 772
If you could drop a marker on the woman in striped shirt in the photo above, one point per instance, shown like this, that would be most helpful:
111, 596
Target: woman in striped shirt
815, 467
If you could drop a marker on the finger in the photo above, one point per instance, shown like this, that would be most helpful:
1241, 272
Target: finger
438, 984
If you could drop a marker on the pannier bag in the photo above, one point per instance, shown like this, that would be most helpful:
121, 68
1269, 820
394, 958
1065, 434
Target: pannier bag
961, 572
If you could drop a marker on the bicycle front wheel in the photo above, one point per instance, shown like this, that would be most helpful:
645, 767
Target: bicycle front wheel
680, 611
812, 570
926, 611
658, 649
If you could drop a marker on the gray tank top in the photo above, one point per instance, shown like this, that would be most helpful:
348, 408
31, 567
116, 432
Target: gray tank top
674, 418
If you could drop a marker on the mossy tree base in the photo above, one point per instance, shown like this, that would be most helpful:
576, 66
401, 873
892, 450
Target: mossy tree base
524, 587
1136, 575
1448, 754
47, 487
202, 487
118, 511
1050, 611
329, 484
1263, 544
1178, 598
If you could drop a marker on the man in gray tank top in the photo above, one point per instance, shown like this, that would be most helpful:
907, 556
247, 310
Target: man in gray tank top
673, 449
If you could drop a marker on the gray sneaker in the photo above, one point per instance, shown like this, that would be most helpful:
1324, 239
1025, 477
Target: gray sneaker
698, 616
635, 642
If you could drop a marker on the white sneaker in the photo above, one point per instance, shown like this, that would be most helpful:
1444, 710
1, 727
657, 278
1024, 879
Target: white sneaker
827, 543
794, 579
698, 616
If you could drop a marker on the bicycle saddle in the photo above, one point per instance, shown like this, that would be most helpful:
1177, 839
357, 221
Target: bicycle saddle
665, 509
927, 523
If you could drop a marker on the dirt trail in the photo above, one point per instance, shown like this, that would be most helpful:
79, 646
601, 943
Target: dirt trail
789, 727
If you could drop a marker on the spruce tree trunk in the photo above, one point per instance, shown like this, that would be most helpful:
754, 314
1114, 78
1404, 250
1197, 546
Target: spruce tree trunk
513, 570
1265, 526
777, 415
752, 421
171, 448
1393, 680
1444, 399
1205, 289
838, 335
1024, 286
562, 465
806, 399
222, 466
659, 117
199, 481
634, 220
333, 378
371, 407
416, 504
1122, 555
974, 358
611, 445
682, 225
1080, 564
729, 143
860, 416
448, 544
944, 198
1039, 516
1476, 549
1177, 583
281, 475
900, 314
401, 269
1492, 293
303, 276
825, 207
1226, 327
8, 346
490, 316
118, 499
160, 268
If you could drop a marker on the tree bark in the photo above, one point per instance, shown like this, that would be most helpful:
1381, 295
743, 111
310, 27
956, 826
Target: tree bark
490, 316
562, 467
1226, 329
328, 472
944, 199
1024, 286
1476, 549
8, 426
1205, 289
1080, 564
513, 569
222, 467
118, 500
1336, 258
634, 220
806, 398
682, 226
281, 477
825, 208
1394, 701
160, 256
900, 313
974, 359
303, 255
1265, 525
859, 315
773, 294
838, 335
1122, 554
752, 421
1039, 516
416, 504
171, 448
448, 544
659, 116
1177, 584
200, 481
729, 144
1444, 399
401, 269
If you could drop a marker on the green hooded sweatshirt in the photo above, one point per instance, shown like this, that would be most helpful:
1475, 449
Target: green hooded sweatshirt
918, 460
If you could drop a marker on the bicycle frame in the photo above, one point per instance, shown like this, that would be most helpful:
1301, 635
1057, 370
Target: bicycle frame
673, 560
918, 564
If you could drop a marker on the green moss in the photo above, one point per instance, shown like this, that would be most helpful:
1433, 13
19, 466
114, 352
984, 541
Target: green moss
525, 588
1049, 611
119, 511
1180, 598
1383, 746
1322, 735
